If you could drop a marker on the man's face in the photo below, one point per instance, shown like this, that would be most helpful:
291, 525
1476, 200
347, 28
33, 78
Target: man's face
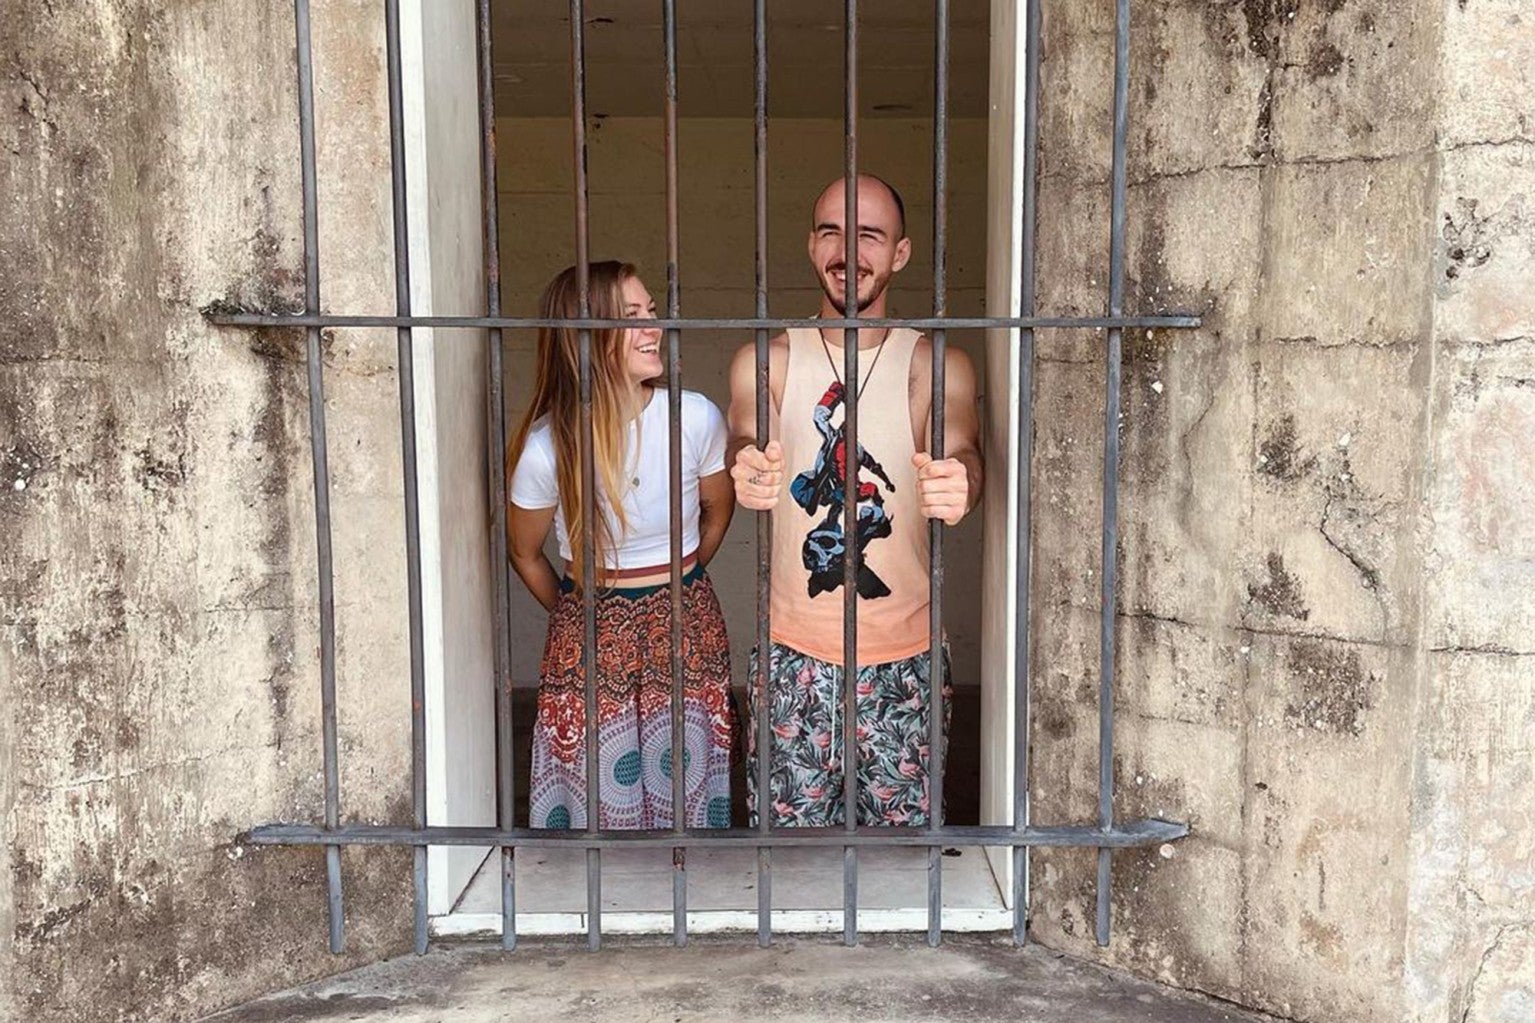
882, 248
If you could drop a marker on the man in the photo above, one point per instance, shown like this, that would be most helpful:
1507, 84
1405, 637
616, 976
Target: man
904, 487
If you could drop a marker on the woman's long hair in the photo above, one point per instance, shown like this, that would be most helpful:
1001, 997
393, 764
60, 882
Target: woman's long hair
557, 394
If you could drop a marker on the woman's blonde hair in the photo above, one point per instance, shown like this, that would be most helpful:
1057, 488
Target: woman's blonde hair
557, 394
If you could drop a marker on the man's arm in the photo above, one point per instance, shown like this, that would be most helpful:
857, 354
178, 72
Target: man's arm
758, 475
741, 417
950, 487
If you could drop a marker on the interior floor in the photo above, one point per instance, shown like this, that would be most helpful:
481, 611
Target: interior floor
722, 891
722, 883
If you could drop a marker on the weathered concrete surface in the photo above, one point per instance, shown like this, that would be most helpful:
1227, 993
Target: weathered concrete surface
1328, 548
971, 978
1327, 553
157, 626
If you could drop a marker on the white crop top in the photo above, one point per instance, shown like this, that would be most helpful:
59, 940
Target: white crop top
647, 505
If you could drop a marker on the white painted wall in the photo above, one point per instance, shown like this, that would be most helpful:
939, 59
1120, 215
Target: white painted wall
442, 156
1000, 571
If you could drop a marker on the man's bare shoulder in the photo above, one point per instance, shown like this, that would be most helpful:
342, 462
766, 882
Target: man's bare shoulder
778, 345
959, 369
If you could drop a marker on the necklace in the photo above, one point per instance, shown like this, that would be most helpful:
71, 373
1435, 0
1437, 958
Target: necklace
864, 383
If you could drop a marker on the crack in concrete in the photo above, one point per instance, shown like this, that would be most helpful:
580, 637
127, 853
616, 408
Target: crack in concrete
1512, 140
1152, 616
1481, 966
123, 775
1486, 648
40, 110
1240, 628
1366, 571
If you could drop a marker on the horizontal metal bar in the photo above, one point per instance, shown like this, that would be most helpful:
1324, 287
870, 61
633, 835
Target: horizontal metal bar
727, 323
1125, 834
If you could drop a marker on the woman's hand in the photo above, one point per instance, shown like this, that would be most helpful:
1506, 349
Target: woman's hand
526, 530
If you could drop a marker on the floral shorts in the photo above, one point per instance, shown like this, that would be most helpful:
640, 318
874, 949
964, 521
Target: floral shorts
806, 710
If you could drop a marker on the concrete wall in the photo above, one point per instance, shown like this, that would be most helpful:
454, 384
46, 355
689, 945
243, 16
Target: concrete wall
1470, 950
1326, 554
158, 664
717, 245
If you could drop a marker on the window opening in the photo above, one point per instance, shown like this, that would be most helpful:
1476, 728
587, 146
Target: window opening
1105, 834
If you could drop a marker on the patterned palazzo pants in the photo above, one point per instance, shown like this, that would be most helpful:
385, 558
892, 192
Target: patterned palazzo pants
634, 711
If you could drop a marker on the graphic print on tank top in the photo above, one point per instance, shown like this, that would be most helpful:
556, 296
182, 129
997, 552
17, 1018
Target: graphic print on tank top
824, 486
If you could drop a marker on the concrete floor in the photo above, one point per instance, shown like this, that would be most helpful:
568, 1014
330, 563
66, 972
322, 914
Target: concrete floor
975, 978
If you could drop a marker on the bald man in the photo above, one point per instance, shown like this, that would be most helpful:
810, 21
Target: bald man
801, 477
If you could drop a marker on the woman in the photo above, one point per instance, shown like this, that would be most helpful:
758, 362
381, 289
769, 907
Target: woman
632, 539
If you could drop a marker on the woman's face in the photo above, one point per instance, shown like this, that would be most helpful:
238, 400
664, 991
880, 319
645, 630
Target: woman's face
640, 347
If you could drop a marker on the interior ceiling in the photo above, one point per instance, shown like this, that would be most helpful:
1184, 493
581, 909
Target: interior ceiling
531, 41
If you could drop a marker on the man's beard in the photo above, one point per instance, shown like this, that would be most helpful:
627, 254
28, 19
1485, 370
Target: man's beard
876, 289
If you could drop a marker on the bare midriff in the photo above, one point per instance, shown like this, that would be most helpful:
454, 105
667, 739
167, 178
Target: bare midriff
654, 575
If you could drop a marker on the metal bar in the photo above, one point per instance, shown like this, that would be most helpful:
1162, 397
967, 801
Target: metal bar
765, 737
406, 350
936, 448
1110, 571
850, 556
674, 462
1158, 322
321, 468
1025, 463
495, 418
1126, 834
588, 477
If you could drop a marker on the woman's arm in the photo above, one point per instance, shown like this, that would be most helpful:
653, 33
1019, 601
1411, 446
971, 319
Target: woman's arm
716, 504
526, 530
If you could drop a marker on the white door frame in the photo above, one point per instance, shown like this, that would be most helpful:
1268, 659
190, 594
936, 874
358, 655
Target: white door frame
439, 73
999, 638
442, 138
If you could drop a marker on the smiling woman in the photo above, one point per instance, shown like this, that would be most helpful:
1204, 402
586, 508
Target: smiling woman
632, 537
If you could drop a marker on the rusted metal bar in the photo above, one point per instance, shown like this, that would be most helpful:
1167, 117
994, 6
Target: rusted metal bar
850, 555
1126, 834
765, 736
495, 420
406, 357
936, 448
1159, 322
674, 439
1110, 573
588, 478
321, 467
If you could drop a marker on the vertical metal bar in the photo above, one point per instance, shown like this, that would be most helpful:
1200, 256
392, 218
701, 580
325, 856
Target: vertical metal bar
850, 557
936, 448
765, 735
406, 357
495, 419
588, 477
674, 461
1111, 462
1025, 469
321, 465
